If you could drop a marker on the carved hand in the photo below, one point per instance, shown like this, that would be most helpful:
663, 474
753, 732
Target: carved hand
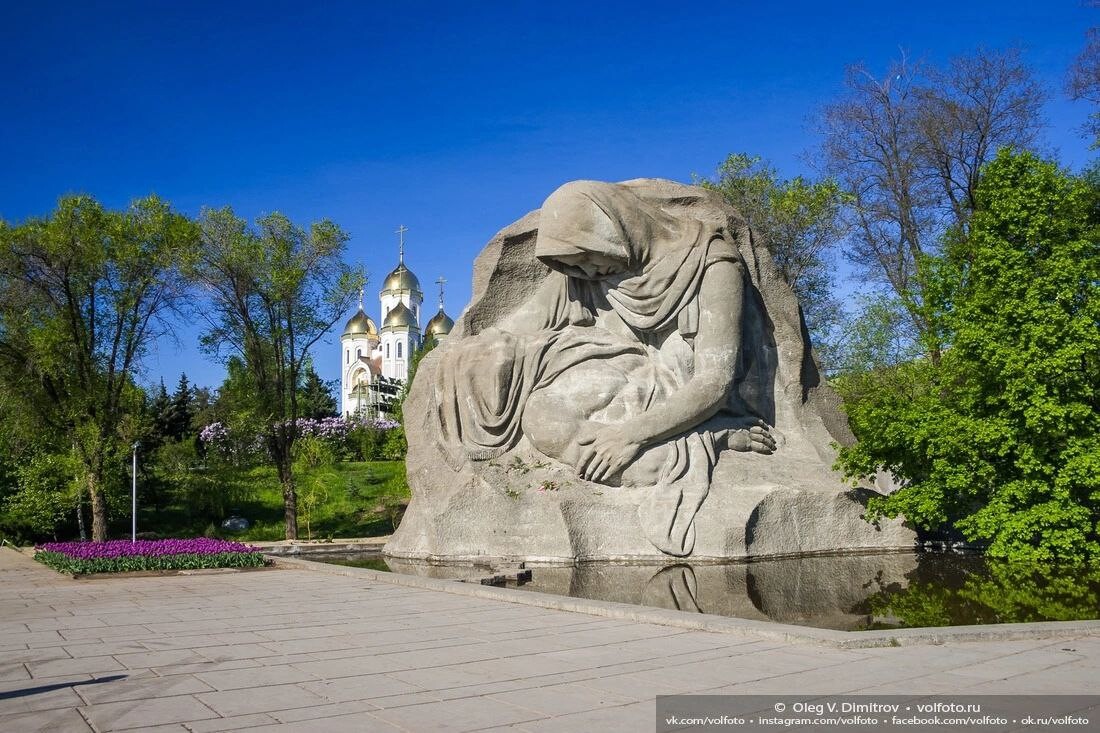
605, 452
756, 439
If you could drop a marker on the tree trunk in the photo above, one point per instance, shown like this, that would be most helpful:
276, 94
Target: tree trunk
99, 509
290, 496
80, 513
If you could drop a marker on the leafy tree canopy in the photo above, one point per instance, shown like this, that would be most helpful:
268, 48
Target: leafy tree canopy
84, 293
274, 290
1001, 438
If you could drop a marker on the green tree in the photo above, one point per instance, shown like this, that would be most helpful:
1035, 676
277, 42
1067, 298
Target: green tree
202, 404
160, 415
878, 337
1002, 438
166, 424
315, 460
274, 291
234, 406
800, 222
42, 493
38, 476
182, 410
315, 396
83, 295
429, 344
203, 490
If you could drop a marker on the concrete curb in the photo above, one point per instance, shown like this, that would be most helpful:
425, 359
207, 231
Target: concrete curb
719, 624
334, 547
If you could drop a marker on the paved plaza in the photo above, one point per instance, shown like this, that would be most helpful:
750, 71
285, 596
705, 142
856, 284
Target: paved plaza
293, 650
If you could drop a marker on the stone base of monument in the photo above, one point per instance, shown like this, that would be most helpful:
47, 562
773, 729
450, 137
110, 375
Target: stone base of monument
521, 508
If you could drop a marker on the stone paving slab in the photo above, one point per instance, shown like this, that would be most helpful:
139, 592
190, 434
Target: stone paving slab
295, 650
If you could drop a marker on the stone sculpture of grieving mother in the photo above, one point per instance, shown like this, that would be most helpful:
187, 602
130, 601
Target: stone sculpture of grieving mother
622, 365
631, 347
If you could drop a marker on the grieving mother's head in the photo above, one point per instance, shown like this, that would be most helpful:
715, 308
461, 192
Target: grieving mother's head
592, 230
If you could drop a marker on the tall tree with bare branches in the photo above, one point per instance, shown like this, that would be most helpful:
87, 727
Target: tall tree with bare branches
908, 148
1083, 79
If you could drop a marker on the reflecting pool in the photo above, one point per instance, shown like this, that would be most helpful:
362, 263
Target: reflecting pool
845, 592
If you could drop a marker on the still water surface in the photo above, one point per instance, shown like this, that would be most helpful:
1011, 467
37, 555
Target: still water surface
846, 592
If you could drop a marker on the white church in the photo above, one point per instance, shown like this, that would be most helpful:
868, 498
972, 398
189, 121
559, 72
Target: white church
376, 362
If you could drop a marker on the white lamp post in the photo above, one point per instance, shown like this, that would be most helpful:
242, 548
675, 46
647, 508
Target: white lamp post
133, 500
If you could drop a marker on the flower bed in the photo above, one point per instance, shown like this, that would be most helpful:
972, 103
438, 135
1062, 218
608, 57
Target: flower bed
117, 556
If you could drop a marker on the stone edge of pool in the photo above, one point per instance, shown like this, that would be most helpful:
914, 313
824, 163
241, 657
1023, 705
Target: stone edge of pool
720, 624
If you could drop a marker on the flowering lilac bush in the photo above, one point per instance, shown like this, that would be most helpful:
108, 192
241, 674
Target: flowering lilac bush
381, 423
215, 432
123, 555
346, 436
330, 428
340, 427
231, 444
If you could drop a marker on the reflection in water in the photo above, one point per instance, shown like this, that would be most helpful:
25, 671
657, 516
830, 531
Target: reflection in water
947, 590
822, 591
352, 560
674, 588
847, 592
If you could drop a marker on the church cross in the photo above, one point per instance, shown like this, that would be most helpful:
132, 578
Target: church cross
401, 243
441, 282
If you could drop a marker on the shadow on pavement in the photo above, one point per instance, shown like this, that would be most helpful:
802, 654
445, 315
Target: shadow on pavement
58, 686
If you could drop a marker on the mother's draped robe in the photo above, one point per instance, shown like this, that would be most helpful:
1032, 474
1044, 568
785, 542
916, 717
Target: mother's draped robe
640, 322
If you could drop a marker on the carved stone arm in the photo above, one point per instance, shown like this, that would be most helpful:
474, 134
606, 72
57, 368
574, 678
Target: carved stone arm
716, 346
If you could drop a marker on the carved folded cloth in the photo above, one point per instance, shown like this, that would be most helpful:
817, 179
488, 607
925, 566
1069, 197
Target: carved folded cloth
485, 383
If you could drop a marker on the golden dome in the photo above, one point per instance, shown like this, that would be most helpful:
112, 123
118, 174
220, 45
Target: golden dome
399, 317
360, 324
440, 325
402, 278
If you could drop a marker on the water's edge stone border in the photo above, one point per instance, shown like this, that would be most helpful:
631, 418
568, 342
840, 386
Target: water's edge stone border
720, 624
334, 547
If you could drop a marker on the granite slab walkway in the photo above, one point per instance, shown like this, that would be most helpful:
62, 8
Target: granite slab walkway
292, 650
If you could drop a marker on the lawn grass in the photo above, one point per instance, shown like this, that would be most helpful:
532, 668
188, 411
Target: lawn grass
347, 499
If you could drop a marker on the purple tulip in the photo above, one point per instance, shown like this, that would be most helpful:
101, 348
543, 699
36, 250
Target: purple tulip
144, 548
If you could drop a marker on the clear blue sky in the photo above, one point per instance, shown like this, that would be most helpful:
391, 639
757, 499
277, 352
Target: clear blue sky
453, 119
